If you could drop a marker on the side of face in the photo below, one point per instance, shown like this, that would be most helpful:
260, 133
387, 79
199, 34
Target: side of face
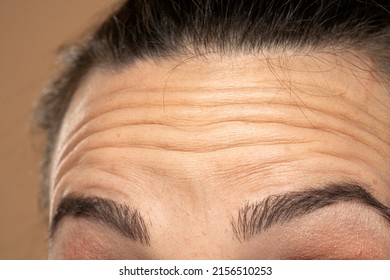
187, 148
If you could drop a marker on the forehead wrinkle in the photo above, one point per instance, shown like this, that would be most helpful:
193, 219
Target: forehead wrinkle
138, 169
246, 173
123, 127
91, 106
121, 98
129, 80
273, 139
106, 182
268, 136
255, 113
112, 103
179, 116
175, 139
169, 94
306, 160
158, 113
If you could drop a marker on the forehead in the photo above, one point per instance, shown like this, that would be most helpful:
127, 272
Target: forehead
222, 125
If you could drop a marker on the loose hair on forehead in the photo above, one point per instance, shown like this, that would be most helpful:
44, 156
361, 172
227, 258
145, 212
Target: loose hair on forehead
151, 29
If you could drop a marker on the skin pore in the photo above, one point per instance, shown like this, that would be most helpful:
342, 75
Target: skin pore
188, 141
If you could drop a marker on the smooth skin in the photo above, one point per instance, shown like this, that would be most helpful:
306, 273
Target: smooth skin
189, 140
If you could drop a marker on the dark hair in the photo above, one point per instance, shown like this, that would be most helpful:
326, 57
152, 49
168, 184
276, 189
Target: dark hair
142, 29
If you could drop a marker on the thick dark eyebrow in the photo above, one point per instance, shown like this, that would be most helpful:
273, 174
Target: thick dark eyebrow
120, 217
277, 209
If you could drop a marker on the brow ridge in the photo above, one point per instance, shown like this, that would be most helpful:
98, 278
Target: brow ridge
255, 218
119, 216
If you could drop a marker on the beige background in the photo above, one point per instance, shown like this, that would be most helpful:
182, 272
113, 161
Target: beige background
30, 33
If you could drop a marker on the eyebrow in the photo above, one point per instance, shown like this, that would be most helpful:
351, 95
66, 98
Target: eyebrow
118, 216
255, 218
252, 218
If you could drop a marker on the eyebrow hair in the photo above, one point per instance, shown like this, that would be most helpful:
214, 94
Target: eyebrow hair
276, 209
119, 216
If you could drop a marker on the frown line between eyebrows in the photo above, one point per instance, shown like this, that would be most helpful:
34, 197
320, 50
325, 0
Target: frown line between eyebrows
256, 218
120, 217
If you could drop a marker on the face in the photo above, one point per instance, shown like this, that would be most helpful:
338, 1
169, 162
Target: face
241, 157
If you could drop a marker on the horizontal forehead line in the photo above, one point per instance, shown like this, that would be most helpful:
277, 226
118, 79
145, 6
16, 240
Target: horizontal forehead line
253, 104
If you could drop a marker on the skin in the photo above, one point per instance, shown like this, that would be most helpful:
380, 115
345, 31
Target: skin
189, 140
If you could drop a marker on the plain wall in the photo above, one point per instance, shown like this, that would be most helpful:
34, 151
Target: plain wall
30, 33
